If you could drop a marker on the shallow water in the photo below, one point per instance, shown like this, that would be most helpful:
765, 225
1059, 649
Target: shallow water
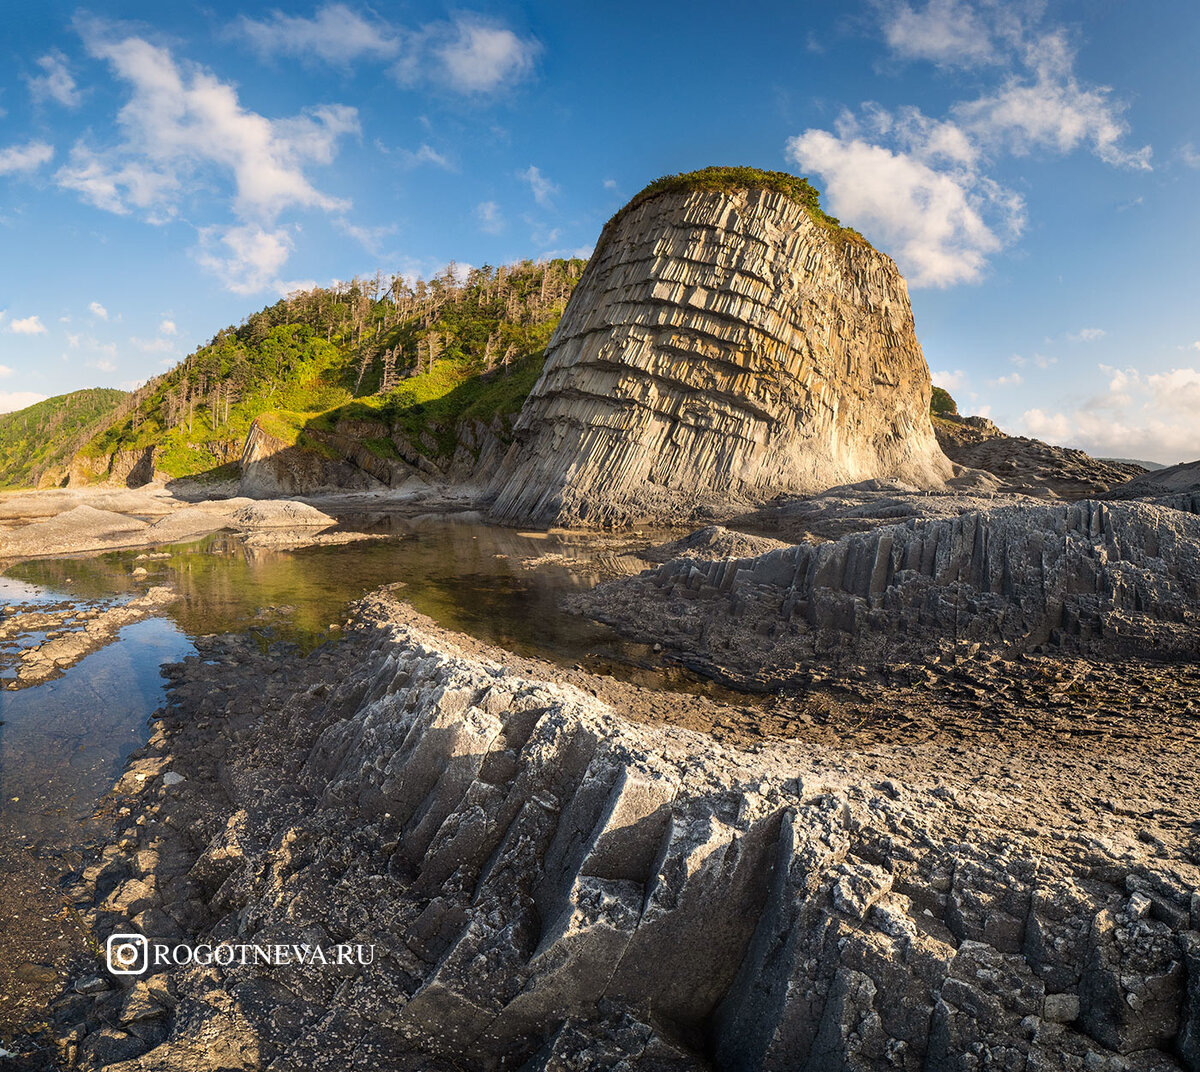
63, 742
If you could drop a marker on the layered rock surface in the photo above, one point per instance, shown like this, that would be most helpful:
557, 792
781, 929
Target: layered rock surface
1026, 466
721, 347
1108, 579
548, 886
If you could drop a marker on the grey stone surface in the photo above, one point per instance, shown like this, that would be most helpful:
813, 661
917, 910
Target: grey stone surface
550, 886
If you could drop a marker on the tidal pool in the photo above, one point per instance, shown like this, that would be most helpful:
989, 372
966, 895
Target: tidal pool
62, 743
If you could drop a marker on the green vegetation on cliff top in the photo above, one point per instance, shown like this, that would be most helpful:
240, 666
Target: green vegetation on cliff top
416, 356
747, 178
941, 404
38, 442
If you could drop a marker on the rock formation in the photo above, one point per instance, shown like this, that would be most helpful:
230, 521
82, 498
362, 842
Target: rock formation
1094, 578
548, 886
1026, 466
723, 346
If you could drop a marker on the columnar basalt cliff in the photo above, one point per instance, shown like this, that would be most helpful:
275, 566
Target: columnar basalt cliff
724, 346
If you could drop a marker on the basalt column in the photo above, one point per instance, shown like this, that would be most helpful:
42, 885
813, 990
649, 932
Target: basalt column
723, 347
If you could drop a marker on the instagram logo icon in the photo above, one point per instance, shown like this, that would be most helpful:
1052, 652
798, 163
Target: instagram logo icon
127, 954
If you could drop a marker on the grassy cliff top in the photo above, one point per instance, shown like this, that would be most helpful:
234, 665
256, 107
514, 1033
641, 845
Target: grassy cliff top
722, 179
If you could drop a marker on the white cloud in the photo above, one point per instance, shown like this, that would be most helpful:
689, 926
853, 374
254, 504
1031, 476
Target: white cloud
920, 184
1014, 379
480, 56
102, 365
543, 189
181, 122
932, 221
468, 54
1051, 110
5, 372
72, 341
491, 220
167, 327
950, 381
30, 325
426, 154
335, 34
1138, 415
247, 259
1188, 154
28, 157
370, 238
14, 400
56, 83
610, 184
154, 346
1085, 335
1040, 360
96, 309
945, 31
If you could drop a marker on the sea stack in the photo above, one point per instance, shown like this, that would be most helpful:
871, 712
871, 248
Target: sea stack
729, 342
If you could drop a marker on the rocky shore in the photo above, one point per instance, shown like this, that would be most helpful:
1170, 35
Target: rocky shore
552, 876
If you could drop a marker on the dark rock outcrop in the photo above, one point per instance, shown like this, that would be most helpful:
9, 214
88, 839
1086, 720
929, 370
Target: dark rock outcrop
1028, 466
1093, 578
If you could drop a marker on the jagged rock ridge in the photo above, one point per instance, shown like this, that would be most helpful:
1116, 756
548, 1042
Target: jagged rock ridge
551, 887
721, 346
1094, 578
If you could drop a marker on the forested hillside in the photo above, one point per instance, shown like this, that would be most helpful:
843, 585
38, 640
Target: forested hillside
37, 442
402, 354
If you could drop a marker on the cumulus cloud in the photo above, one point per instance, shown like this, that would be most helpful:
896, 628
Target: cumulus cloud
96, 309
1085, 335
370, 238
944, 31
167, 327
426, 154
920, 184
468, 54
479, 55
14, 400
247, 258
1014, 379
491, 220
335, 34
180, 122
30, 325
543, 189
28, 157
950, 381
55, 83
1137, 415
936, 222
154, 346
5, 372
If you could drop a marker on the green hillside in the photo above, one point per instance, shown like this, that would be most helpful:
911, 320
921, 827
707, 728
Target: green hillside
408, 355
38, 441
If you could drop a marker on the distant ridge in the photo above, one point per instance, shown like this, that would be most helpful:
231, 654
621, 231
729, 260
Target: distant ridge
37, 442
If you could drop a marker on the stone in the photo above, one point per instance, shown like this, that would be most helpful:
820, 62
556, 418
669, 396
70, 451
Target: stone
722, 347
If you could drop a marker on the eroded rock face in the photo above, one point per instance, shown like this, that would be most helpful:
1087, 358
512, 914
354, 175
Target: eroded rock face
721, 347
549, 886
1092, 578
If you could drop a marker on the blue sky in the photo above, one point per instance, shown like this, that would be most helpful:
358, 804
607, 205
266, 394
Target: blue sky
1033, 167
